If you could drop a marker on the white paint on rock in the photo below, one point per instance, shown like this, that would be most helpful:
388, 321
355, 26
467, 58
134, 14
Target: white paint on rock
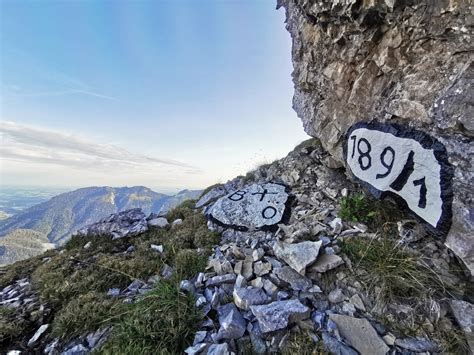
381, 177
253, 207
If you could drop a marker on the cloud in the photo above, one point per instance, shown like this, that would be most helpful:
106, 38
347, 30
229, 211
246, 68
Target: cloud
69, 92
29, 144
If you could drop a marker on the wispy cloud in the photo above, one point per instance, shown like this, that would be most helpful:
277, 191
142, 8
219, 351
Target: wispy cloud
37, 145
69, 92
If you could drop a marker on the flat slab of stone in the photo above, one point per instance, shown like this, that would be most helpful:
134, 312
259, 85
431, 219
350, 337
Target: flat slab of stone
255, 207
325, 263
360, 334
298, 255
278, 315
159, 222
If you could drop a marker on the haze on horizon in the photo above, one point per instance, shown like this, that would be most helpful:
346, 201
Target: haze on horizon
164, 94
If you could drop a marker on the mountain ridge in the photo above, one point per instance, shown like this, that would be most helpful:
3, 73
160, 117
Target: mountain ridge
62, 215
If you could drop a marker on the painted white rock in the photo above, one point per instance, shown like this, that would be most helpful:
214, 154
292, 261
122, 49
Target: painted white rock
408, 164
254, 207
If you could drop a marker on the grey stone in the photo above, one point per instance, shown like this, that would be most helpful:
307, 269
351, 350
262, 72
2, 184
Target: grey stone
113, 292
357, 302
251, 208
167, 271
334, 346
246, 297
298, 255
257, 254
195, 349
221, 279
39, 332
262, 268
360, 334
232, 324
210, 196
123, 224
157, 248
417, 344
336, 296
336, 225
78, 349
160, 222
464, 313
218, 349
290, 276
278, 315
326, 262
97, 338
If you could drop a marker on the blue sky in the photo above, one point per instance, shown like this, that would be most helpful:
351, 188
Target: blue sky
168, 94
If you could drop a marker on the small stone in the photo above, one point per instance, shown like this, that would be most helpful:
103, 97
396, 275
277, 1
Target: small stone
325, 263
246, 297
336, 225
238, 267
167, 271
88, 245
37, 335
247, 268
257, 282
360, 334
218, 349
160, 222
336, 296
232, 324
240, 281
389, 339
195, 349
278, 315
298, 255
270, 288
186, 285
417, 344
357, 302
157, 248
130, 249
113, 292
221, 279
290, 276
260, 268
78, 349
257, 254
282, 295
177, 222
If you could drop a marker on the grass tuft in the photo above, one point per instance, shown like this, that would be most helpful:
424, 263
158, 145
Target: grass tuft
165, 320
83, 314
397, 274
189, 262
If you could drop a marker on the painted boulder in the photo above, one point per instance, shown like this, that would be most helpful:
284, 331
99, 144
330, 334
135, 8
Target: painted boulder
256, 207
407, 164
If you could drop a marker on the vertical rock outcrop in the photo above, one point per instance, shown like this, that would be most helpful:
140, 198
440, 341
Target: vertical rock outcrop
396, 61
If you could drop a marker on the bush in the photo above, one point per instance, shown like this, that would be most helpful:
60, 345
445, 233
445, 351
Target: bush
165, 320
85, 313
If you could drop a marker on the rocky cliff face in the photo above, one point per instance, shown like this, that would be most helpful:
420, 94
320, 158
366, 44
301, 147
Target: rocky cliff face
405, 62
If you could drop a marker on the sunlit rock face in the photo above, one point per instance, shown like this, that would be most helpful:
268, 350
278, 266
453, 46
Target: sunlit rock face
403, 62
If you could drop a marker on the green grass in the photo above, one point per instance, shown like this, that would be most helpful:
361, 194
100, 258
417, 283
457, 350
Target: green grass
11, 324
164, 319
398, 274
364, 209
85, 313
73, 282
301, 343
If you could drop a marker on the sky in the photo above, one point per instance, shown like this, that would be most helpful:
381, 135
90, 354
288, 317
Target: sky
168, 94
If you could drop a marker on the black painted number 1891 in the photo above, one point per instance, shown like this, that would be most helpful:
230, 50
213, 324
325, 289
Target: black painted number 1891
387, 159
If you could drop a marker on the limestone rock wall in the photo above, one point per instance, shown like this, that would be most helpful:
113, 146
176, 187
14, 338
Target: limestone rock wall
399, 61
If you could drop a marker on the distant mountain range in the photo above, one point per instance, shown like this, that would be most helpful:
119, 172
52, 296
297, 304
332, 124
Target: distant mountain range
52, 222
